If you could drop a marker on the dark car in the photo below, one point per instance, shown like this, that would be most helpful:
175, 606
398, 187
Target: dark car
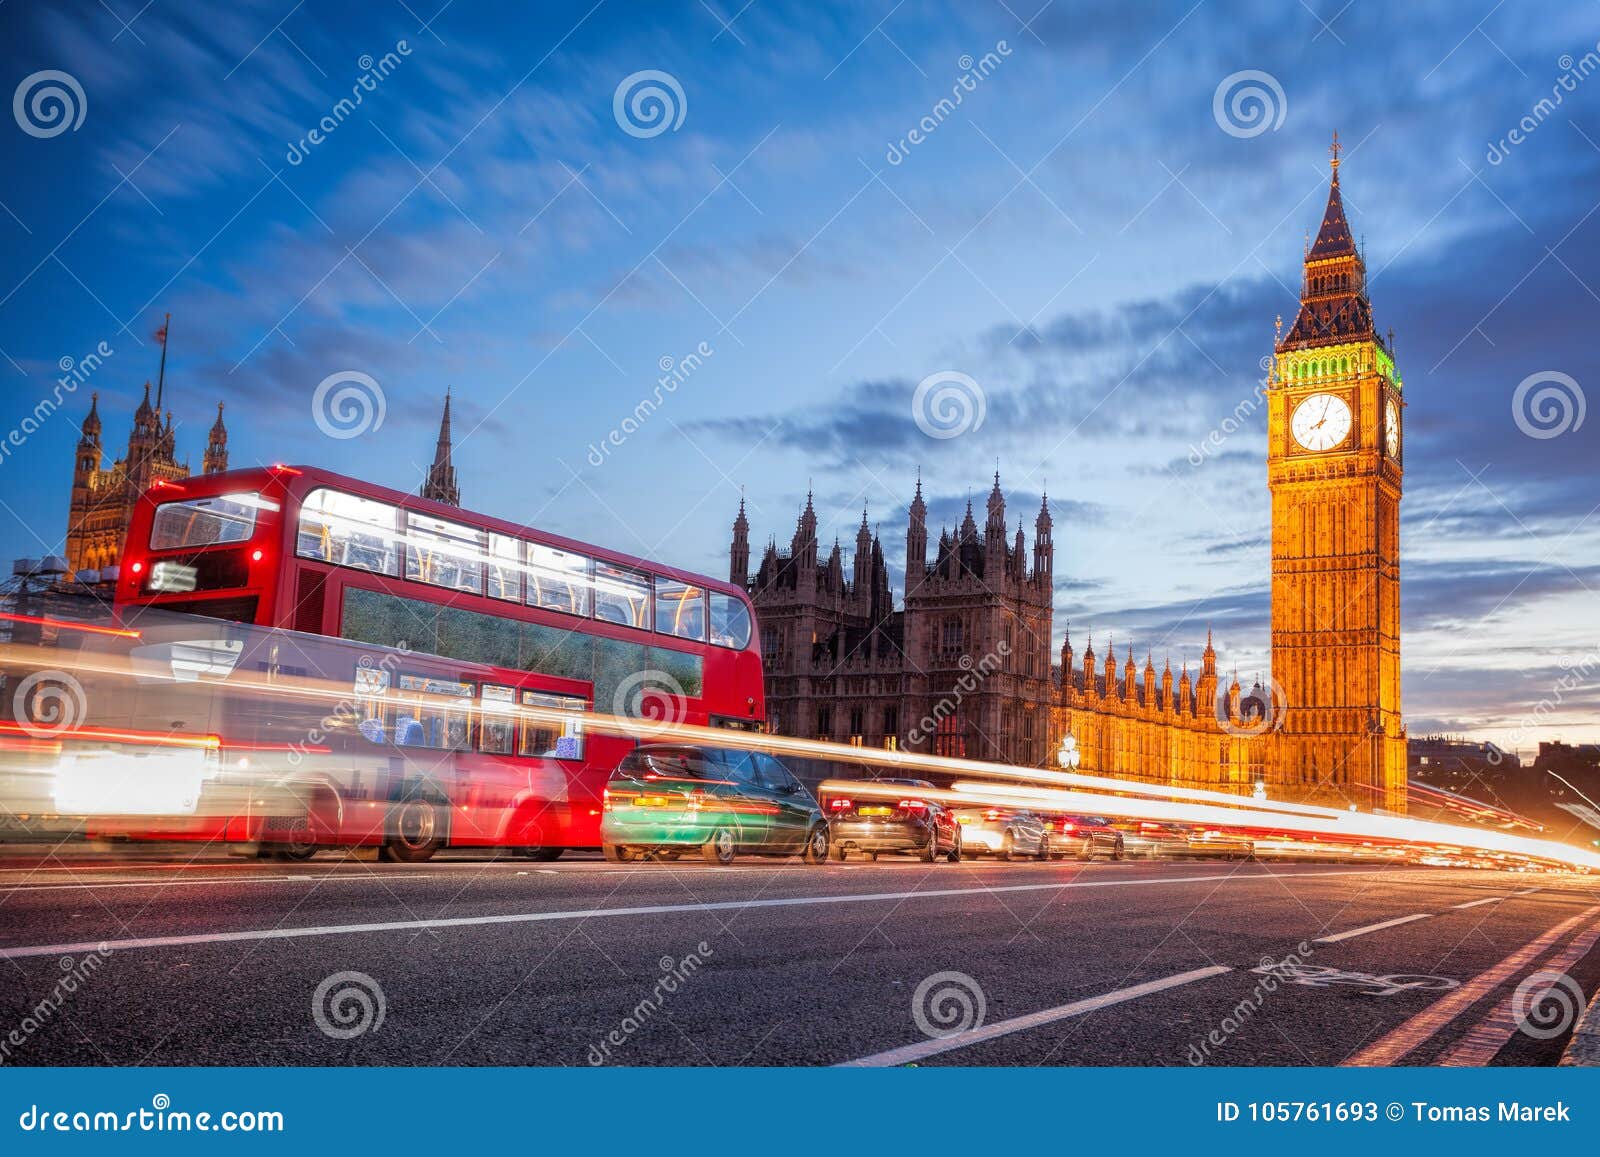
902, 821
665, 799
1086, 837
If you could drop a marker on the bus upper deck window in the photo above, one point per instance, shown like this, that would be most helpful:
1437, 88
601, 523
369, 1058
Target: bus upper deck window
348, 531
192, 522
622, 596
730, 621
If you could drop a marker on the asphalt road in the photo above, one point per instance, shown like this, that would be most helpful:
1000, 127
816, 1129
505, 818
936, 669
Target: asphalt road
772, 962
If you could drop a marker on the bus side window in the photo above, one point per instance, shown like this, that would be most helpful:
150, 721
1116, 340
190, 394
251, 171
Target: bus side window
422, 722
549, 739
497, 727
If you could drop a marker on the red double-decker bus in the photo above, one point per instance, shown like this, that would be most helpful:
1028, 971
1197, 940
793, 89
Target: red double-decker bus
447, 625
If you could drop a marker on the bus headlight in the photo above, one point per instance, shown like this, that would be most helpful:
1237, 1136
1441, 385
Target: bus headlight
119, 782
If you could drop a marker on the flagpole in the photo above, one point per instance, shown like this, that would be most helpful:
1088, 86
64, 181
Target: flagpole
161, 377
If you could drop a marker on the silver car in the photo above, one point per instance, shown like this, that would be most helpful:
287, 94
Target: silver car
1005, 832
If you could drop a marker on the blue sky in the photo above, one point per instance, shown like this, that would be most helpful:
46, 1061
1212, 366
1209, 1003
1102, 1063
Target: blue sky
1081, 237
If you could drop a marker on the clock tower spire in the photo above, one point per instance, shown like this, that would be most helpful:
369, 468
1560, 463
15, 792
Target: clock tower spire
1334, 470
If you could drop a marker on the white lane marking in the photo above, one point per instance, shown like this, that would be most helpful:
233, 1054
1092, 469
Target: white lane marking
11, 891
1378, 927
906, 1054
22, 951
1475, 903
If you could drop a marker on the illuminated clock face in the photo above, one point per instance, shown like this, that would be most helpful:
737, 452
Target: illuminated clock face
1391, 429
1321, 421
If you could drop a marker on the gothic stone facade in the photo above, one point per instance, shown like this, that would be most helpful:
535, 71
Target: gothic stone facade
103, 496
963, 669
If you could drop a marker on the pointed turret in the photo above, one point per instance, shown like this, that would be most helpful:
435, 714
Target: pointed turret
862, 570
1044, 549
1333, 297
216, 455
90, 429
994, 527
439, 483
803, 547
739, 552
916, 540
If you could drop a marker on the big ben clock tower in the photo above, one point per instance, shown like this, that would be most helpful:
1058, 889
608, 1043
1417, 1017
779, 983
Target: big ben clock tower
1334, 458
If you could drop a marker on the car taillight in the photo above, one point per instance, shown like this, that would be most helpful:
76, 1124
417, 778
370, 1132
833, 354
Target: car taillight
913, 805
1068, 826
605, 799
991, 815
840, 805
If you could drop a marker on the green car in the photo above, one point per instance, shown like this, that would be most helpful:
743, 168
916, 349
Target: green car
665, 799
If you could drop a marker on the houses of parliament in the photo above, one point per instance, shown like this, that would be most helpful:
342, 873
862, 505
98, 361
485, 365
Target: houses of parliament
844, 665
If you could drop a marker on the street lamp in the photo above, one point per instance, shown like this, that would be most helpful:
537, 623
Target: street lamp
1069, 756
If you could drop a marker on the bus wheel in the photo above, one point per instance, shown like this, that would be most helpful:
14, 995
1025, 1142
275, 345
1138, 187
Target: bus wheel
416, 830
719, 848
817, 845
541, 855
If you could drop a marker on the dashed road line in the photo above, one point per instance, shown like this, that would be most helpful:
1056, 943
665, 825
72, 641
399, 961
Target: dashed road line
906, 1054
1378, 927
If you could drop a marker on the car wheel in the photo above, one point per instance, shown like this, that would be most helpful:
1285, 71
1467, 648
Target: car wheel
719, 848
931, 852
417, 827
1117, 850
1008, 846
817, 845
839, 852
1086, 852
873, 856
616, 853
541, 855
1044, 847
955, 850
